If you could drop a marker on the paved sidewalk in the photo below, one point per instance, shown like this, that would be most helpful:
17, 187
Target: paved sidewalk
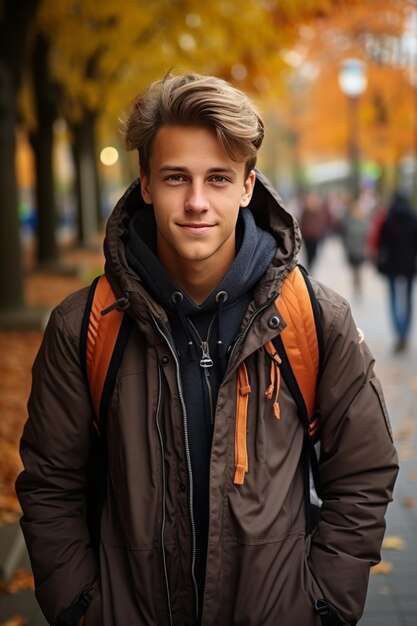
392, 597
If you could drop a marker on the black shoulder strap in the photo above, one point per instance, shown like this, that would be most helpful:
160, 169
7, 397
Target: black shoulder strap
115, 361
84, 326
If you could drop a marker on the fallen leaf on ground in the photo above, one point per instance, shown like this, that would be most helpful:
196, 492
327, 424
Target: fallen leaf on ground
393, 543
22, 579
410, 502
412, 476
405, 453
384, 567
16, 620
403, 434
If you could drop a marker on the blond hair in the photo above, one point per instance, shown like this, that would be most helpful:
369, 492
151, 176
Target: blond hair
195, 100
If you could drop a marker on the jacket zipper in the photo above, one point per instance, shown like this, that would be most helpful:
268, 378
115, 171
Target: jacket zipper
206, 362
161, 441
166, 336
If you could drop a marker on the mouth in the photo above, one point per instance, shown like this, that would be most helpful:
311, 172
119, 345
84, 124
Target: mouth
198, 229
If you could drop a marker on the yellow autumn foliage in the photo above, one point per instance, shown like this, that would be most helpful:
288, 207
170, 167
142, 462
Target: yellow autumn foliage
104, 53
383, 34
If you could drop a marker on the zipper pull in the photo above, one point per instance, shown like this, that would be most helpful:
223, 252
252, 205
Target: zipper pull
205, 360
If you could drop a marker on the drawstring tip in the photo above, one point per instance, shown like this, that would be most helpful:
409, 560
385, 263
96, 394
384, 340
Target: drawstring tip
239, 478
269, 392
277, 410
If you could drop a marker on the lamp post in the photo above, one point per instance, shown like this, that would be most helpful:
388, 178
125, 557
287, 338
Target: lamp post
353, 81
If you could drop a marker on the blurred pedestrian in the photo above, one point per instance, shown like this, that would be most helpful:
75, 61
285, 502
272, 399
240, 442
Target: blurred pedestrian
397, 258
354, 231
314, 223
377, 218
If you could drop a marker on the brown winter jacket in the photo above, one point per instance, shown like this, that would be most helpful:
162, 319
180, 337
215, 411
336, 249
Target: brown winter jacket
261, 568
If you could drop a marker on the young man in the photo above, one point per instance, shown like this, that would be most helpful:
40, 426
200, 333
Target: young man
199, 247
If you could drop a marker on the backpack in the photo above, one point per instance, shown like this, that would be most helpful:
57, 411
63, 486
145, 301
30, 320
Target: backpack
298, 349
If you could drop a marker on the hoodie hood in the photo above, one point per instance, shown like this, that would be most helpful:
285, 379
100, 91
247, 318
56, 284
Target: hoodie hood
268, 214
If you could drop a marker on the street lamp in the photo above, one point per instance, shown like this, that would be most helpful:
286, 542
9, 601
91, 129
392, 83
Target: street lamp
353, 81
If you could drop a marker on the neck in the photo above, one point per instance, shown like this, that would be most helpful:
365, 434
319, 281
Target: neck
198, 285
198, 278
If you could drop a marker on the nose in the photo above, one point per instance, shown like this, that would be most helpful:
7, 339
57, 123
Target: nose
196, 200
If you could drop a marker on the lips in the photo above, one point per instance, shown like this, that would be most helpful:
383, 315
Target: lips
196, 228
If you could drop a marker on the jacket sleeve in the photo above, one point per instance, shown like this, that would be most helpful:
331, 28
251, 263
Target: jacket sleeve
55, 448
358, 464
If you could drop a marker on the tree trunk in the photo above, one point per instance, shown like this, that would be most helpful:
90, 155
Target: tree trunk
42, 143
11, 270
47, 247
15, 19
86, 173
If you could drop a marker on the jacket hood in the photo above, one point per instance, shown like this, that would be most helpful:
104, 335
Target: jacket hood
266, 207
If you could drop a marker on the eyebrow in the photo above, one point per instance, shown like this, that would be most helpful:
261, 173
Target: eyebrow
211, 170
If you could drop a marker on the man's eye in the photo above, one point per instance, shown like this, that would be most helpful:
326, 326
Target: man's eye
219, 179
175, 178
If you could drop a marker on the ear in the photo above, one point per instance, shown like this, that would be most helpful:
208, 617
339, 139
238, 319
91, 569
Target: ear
248, 188
144, 187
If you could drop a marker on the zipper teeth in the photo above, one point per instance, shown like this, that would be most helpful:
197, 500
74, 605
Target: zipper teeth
206, 372
161, 441
197, 334
188, 458
207, 379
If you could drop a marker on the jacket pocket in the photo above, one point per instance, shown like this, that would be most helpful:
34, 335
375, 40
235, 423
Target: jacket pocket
325, 612
328, 614
93, 614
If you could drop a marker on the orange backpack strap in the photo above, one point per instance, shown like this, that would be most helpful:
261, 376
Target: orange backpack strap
104, 333
300, 347
301, 337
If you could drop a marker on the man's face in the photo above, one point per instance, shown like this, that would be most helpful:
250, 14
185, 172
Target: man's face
196, 190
